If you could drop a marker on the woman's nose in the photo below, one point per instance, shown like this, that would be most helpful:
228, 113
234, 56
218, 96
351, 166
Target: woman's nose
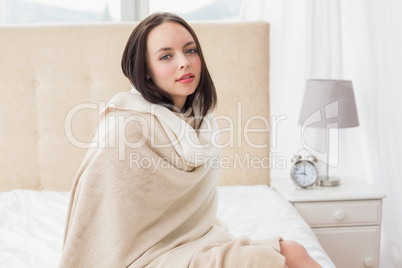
183, 63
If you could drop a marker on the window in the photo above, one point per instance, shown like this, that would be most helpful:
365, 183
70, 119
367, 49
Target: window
199, 10
54, 11
57, 11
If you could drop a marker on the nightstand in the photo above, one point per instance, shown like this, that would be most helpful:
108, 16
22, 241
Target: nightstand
346, 219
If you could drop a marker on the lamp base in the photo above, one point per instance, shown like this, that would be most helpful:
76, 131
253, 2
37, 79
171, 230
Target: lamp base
328, 181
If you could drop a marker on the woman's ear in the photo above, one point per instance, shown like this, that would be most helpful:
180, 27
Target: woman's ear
148, 76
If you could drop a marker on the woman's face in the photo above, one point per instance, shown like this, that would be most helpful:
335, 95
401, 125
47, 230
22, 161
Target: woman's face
173, 61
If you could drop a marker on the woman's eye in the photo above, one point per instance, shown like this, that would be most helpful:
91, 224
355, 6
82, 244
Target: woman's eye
191, 51
165, 57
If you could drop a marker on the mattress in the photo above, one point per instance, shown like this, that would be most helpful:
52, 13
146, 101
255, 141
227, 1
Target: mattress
32, 223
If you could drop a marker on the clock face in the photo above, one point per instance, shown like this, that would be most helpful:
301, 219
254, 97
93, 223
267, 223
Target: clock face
304, 173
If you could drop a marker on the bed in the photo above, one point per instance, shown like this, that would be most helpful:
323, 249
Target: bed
54, 80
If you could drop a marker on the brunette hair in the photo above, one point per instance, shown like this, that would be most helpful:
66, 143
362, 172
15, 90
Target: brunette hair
134, 65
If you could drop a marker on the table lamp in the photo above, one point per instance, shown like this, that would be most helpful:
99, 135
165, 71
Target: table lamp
328, 104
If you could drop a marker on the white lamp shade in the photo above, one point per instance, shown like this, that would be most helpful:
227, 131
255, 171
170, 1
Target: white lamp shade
329, 104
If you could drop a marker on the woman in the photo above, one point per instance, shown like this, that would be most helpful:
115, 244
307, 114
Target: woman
147, 196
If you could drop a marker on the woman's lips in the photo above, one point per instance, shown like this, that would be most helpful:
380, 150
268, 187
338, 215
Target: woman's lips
186, 78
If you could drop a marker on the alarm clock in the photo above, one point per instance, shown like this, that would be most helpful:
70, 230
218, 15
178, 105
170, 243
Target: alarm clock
304, 172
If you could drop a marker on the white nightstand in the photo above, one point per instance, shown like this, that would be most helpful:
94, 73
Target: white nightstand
346, 219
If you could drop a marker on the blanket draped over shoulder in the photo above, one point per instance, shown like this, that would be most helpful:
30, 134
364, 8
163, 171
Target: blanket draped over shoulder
146, 195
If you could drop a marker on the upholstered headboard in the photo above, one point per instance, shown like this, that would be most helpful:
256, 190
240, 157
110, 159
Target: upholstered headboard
54, 80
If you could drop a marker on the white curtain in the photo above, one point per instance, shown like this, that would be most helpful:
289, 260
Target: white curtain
355, 40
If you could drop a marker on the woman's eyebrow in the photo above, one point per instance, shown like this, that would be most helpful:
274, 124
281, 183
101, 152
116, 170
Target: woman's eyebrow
189, 43
169, 48
163, 49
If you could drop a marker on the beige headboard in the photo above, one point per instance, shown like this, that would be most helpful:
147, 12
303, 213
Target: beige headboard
54, 80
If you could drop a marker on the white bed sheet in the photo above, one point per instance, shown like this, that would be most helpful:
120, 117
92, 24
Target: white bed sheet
32, 223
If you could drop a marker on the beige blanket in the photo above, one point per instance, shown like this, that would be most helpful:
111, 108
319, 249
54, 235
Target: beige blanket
146, 195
